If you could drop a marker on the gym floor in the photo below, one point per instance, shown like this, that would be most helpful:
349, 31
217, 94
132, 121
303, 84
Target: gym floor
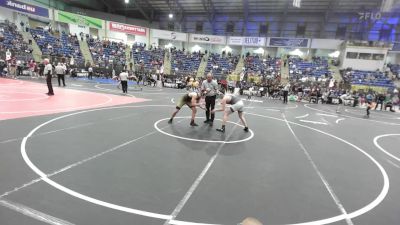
90, 155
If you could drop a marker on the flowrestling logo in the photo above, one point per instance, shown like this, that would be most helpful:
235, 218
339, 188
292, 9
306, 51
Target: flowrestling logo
131, 29
26, 8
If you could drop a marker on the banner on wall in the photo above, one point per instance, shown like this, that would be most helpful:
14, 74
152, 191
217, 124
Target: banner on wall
168, 35
210, 39
129, 29
71, 18
289, 42
25, 8
247, 41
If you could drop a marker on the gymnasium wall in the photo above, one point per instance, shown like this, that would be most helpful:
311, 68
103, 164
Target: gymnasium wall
286, 26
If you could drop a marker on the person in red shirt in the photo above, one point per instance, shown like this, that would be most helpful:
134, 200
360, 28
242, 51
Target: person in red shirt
32, 67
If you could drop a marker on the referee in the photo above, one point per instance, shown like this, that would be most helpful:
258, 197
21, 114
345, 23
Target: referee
210, 88
48, 72
123, 77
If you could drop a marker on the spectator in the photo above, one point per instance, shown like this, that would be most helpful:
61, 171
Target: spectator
60, 71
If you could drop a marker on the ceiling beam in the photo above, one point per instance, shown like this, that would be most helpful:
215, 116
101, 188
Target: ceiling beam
245, 16
178, 10
144, 7
329, 10
283, 17
141, 10
108, 6
209, 9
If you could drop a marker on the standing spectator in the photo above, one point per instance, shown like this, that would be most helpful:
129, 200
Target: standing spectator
41, 69
22, 25
210, 87
32, 67
379, 101
48, 71
60, 71
2, 66
90, 72
285, 93
123, 77
19, 68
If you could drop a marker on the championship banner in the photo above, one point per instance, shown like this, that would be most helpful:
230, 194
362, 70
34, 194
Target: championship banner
247, 41
25, 8
210, 39
168, 35
66, 17
289, 42
129, 29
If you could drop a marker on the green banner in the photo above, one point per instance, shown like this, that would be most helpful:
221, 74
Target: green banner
77, 19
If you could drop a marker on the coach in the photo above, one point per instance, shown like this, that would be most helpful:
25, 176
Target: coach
210, 87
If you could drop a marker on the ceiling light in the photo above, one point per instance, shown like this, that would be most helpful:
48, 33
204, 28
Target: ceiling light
171, 15
126, 1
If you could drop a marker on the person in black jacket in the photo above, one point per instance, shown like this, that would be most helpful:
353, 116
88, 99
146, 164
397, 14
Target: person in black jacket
380, 100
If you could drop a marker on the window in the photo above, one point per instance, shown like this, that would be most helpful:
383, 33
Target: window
378, 56
230, 26
301, 30
341, 32
171, 26
352, 55
263, 29
199, 27
365, 56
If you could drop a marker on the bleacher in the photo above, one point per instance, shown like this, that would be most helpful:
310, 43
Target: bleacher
395, 68
221, 64
12, 40
371, 78
148, 57
316, 68
65, 46
264, 66
104, 51
185, 62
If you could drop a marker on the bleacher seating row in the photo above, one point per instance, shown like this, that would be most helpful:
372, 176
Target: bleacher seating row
395, 69
371, 78
185, 62
221, 64
104, 51
65, 46
268, 65
149, 58
12, 40
315, 68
